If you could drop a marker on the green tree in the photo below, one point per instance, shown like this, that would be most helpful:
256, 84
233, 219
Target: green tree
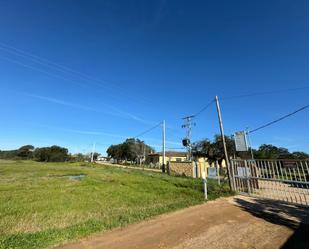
79, 157
131, 149
269, 151
25, 152
214, 150
300, 155
96, 155
51, 154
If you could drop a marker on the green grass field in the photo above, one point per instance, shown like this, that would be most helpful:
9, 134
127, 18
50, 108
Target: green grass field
41, 207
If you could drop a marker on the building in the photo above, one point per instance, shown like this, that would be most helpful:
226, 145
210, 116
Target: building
170, 156
196, 168
103, 158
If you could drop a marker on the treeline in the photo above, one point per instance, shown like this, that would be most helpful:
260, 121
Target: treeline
44, 154
268, 151
214, 150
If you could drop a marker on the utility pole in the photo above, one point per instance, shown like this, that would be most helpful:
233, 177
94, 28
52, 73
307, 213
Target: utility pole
92, 154
163, 145
188, 125
144, 152
223, 140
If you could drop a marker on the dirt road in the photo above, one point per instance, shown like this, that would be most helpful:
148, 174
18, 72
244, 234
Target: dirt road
238, 222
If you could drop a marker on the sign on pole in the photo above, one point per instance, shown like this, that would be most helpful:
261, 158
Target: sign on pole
212, 173
240, 141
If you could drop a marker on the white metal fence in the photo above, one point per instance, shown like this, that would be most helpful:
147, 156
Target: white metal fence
286, 180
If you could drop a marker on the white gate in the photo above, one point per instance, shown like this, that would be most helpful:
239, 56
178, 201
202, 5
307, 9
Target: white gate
286, 180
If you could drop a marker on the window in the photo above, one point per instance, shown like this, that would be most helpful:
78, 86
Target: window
178, 159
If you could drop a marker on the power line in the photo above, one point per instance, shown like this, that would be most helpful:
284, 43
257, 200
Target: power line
264, 93
148, 130
64, 69
50, 64
279, 119
204, 108
249, 95
41, 71
129, 115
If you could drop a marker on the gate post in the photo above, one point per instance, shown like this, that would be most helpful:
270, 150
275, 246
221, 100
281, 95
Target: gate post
233, 184
247, 176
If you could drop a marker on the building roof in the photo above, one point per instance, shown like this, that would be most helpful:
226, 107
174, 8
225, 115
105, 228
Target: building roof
170, 153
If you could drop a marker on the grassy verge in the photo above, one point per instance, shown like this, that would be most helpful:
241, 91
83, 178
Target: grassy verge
40, 206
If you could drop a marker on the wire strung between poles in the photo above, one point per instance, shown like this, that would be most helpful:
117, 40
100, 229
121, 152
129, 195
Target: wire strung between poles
279, 119
146, 131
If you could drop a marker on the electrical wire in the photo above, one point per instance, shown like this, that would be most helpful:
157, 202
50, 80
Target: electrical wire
41, 71
63, 69
51, 64
204, 108
279, 119
148, 130
264, 93
201, 110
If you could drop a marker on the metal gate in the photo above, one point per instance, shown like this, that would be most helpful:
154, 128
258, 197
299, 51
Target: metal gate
286, 180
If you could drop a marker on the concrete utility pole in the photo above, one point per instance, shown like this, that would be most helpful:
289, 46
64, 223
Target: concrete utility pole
163, 146
92, 154
223, 140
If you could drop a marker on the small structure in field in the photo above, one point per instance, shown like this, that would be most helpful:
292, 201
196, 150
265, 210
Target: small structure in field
170, 156
195, 168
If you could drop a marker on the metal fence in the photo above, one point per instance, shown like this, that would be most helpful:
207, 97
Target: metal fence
286, 180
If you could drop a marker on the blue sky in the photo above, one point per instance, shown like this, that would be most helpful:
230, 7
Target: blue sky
77, 72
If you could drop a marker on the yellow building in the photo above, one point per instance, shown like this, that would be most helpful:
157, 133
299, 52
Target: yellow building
196, 168
203, 165
198, 165
170, 156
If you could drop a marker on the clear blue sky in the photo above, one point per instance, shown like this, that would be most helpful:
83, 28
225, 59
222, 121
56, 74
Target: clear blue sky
100, 71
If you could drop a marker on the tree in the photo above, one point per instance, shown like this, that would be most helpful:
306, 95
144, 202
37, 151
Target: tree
218, 149
8, 154
25, 152
269, 151
131, 149
51, 154
114, 151
95, 156
300, 155
214, 150
203, 148
79, 157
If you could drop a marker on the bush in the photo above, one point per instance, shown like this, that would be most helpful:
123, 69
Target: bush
51, 154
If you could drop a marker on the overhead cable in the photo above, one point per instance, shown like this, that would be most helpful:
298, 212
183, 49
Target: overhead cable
280, 119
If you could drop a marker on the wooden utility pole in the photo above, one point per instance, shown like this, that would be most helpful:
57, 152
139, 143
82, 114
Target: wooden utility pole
223, 141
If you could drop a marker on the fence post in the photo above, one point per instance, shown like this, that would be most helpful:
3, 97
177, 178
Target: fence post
218, 172
233, 183
205, 184
247, 176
